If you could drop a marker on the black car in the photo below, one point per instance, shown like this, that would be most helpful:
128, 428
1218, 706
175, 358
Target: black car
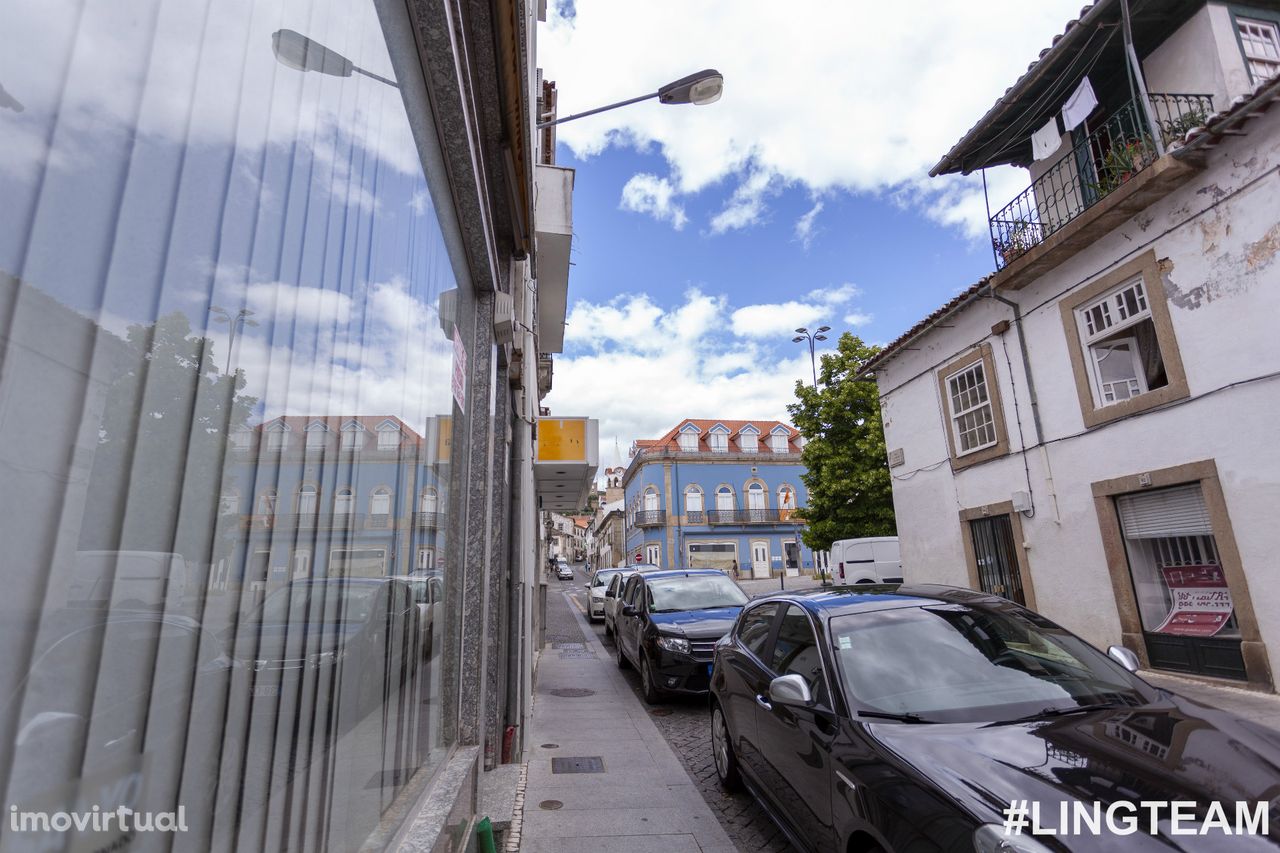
896, 718
667, 626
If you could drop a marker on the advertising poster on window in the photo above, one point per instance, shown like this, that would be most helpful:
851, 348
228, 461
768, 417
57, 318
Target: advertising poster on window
1201, 601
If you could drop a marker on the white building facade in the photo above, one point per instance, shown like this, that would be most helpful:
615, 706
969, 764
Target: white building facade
1091, 430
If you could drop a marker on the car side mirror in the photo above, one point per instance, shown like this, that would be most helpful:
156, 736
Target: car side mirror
790, 690
629, 610
1124, 657
608, 593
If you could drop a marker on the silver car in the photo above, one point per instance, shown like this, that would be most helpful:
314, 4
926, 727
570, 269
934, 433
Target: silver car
596, 588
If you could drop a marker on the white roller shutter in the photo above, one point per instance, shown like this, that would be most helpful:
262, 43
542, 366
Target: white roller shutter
1179, 511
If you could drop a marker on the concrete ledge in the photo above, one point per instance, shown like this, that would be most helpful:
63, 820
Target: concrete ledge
498, 795
443, 816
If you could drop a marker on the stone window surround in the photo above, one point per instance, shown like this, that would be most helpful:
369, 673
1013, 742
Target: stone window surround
1149, 268
1204, 473
1019, 545
980, 353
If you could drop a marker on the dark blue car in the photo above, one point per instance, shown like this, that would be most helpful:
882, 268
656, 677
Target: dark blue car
668, 624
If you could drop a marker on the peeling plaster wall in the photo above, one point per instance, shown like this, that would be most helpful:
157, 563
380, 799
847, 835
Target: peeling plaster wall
1218, 237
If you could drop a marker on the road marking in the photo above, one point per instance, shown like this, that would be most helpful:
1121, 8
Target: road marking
570, 596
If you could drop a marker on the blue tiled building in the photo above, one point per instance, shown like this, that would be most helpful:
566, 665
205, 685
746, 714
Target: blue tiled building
334, 496
718, 494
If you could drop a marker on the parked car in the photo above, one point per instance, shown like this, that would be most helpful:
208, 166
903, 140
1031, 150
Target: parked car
613, 593
668, 626
564, 571
908, 718
428, 595
596, 588
873, 559
133, 580
359, 633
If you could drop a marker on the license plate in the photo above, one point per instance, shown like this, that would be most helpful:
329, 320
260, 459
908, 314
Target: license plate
266, 690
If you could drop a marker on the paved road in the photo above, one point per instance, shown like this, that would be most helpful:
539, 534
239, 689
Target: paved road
686, 726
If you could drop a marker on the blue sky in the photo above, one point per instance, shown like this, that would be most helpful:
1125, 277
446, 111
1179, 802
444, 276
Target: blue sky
703, 235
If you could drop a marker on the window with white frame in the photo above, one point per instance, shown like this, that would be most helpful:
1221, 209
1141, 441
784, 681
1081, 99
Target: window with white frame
786, 497
972, 420
748, 442
350, 438
306, 500
718, 439
315, 438
724, 499
276, 439
1261, 43
388, 437
344, 502
689, 440
241, 439
1121, 353
778, 442
693, 501
650, 501
380, 502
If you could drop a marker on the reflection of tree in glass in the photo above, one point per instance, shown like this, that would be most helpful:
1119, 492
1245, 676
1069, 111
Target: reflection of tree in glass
158, 469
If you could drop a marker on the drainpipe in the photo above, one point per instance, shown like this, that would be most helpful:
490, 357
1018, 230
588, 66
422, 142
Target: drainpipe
1137, 79
1026, 363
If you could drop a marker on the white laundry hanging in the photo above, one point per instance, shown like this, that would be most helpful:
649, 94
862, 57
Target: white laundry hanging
1046, 140
1079, 105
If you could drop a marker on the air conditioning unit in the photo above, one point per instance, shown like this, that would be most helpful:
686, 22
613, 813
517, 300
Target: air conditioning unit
504, 317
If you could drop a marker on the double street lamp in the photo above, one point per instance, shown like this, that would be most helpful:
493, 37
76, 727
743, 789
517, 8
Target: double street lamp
803, 334
237, 322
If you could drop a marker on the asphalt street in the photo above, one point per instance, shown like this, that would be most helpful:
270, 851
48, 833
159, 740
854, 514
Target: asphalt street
685, 724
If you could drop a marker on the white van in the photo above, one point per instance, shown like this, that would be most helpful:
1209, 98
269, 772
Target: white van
874, 559
131, 580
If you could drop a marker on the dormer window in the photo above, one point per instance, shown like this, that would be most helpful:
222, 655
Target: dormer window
277, 438
315, 436
689, 439
779, 440
748, 442
388, 437
718, 439
241, 439
351, 433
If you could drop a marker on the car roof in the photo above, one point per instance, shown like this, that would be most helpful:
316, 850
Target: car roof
843, 600
679, 573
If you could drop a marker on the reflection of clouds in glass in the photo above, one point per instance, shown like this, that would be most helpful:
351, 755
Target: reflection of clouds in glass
300, 304
390, 356
232, 91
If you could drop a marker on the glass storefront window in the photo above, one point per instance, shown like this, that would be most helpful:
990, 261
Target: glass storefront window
219, 274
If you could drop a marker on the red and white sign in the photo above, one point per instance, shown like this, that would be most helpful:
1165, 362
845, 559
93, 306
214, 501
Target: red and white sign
459, 371
1201, 601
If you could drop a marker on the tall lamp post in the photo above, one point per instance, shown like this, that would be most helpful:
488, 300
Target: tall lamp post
304, 54
237, 322
803, 334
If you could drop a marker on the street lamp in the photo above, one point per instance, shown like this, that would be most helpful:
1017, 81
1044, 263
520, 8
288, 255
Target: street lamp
237, 323
699, 89
803, 334
303, 54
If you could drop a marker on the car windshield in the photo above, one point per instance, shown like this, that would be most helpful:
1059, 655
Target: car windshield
953, 663
694, 592
325, 602
603, 578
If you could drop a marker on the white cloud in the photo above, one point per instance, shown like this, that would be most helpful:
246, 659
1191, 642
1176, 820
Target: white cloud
646, 193
779, 319
640, 368
311, 305
806, 229
823, 96
858, 319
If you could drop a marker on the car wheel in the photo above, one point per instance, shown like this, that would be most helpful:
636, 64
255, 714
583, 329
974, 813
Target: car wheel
648, 687
623, 663
722, 751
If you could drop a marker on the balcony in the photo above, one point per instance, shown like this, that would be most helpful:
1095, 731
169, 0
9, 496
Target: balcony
1112, 155
753, 516
651, 517
426, 520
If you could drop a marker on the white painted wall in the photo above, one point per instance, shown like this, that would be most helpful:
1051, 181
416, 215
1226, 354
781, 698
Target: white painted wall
1221, 231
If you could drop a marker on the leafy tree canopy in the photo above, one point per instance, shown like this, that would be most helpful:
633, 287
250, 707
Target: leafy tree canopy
850, 494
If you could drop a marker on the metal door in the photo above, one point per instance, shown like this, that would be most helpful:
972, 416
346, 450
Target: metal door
993, 549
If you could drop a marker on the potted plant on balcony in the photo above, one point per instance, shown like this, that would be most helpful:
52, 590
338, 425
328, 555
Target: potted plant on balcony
1018, 238
1122, 161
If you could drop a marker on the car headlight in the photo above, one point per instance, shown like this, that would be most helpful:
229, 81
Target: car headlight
321, 659
991, 838
674, 644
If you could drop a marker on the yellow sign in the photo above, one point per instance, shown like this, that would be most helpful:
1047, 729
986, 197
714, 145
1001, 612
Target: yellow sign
562, 440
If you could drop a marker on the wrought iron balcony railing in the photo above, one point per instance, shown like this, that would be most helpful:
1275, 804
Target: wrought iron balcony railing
1098, 164
752, 516
650, 517
426, 520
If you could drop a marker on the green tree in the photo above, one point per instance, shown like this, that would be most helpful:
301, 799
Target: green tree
847, 475
159, 465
